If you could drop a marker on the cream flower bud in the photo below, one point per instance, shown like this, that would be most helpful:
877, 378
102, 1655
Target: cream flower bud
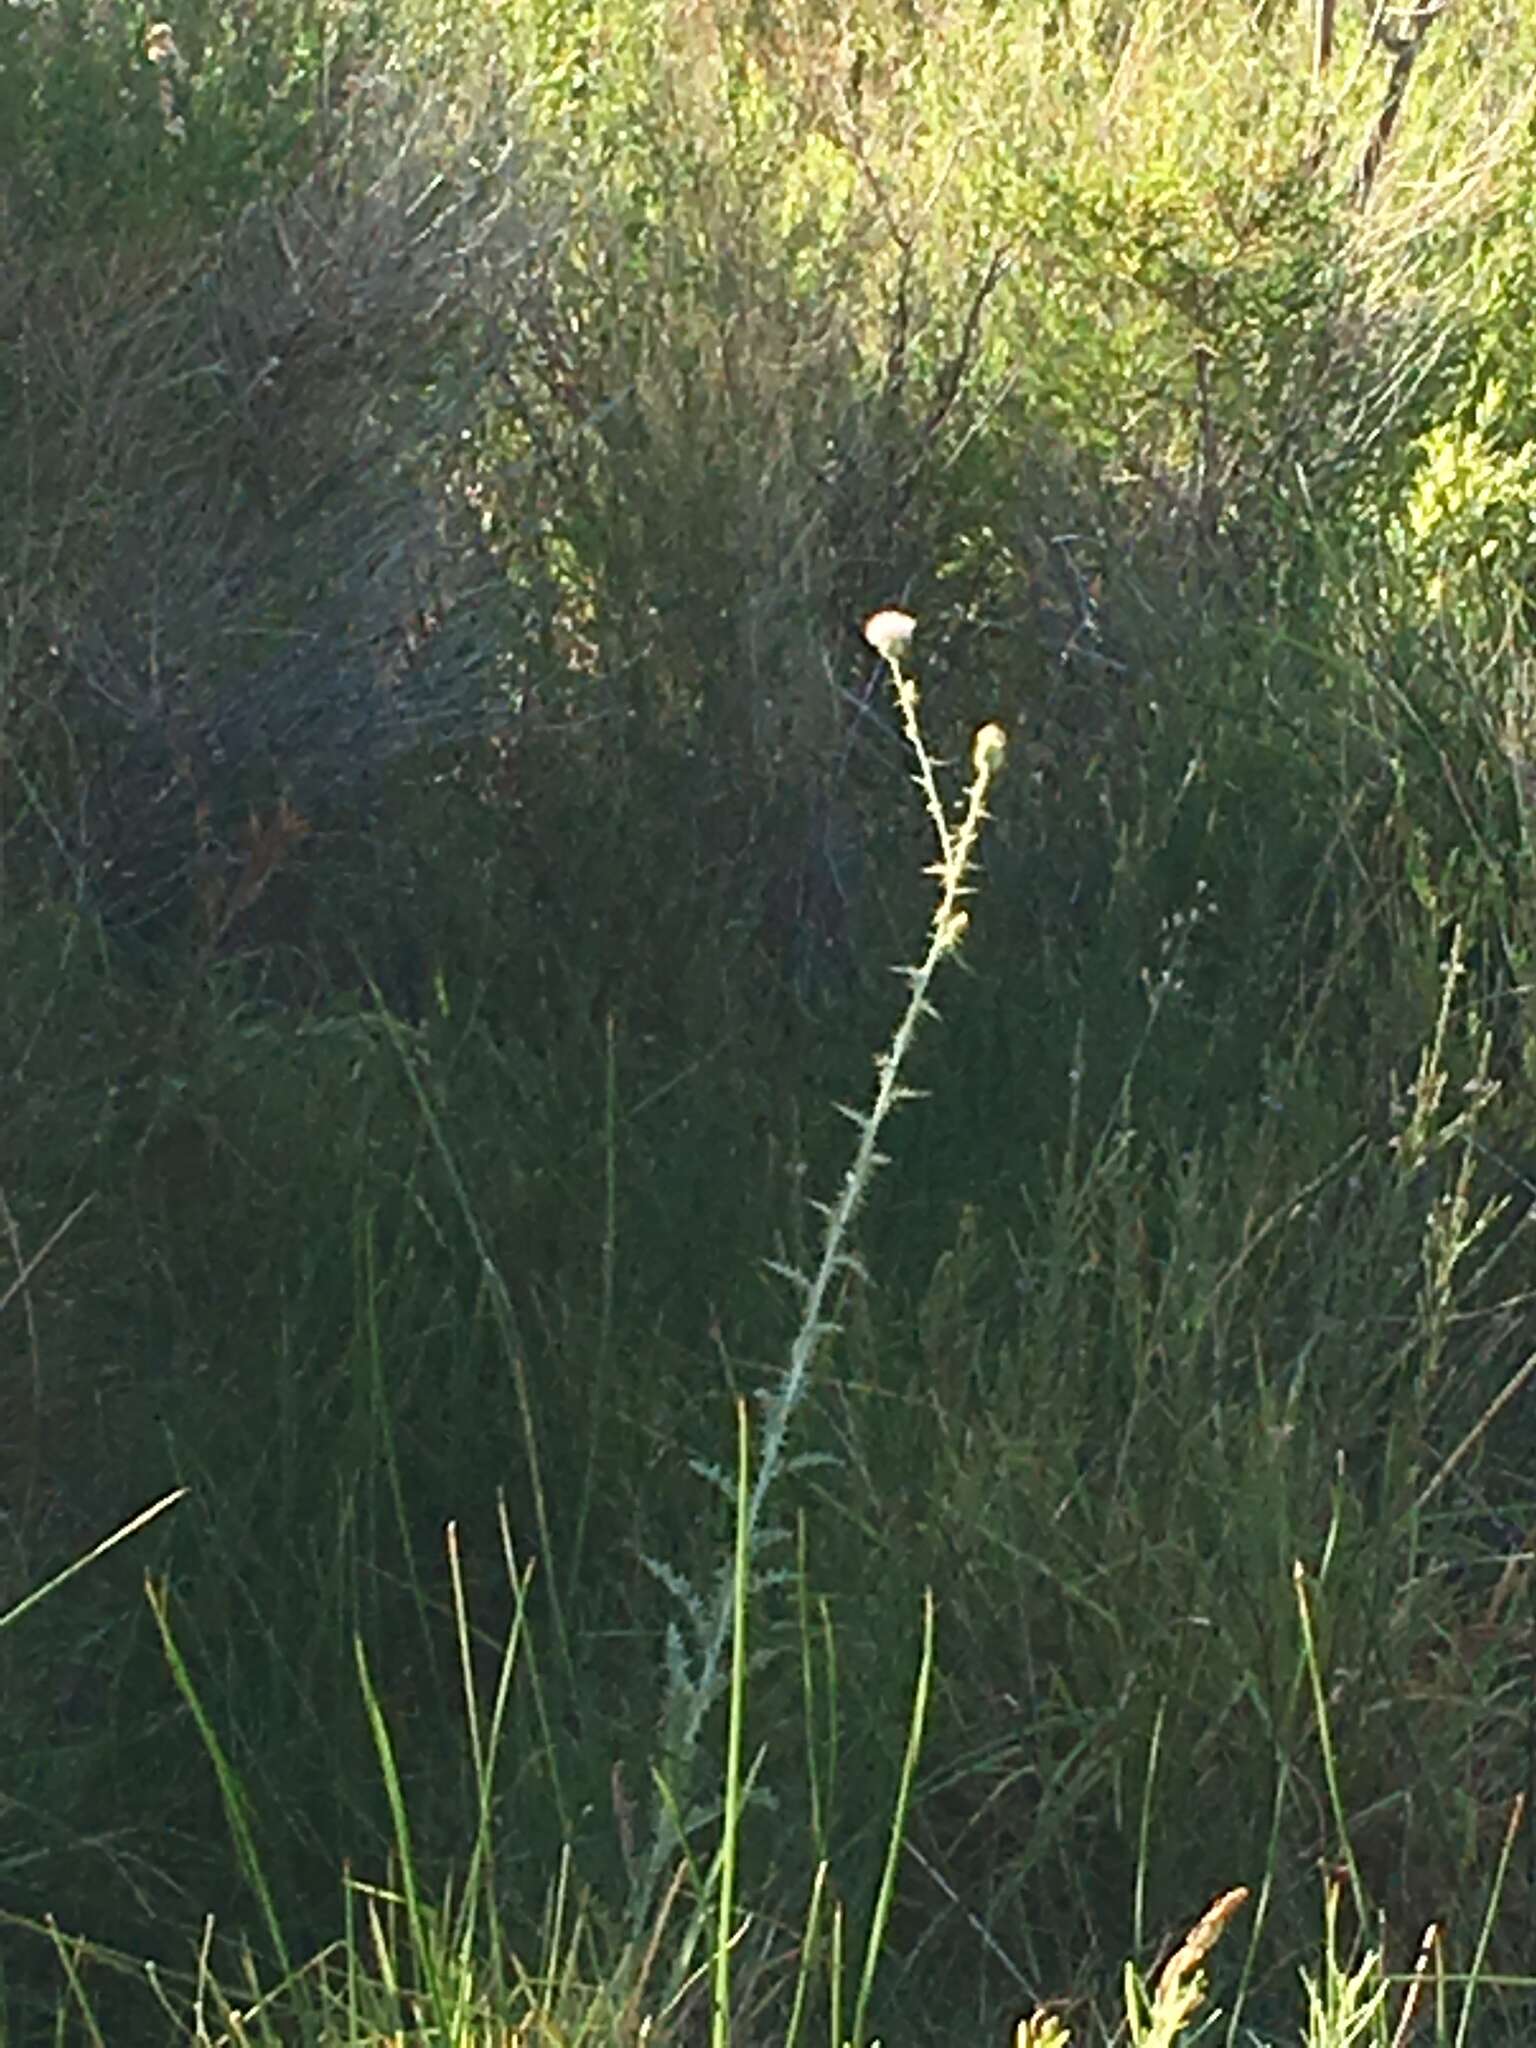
988, 748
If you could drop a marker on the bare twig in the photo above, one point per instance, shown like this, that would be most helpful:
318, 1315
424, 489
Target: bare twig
1404, 48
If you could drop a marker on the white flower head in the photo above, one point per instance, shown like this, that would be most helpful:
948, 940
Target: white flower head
890, 633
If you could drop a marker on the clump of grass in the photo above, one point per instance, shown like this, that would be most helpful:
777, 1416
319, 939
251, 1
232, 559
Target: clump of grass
1156, 2018
429, 1958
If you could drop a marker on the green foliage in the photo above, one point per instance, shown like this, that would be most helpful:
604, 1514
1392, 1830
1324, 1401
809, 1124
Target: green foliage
453, 844
112, 132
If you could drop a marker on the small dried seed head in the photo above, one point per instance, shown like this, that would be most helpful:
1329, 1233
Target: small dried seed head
160, 44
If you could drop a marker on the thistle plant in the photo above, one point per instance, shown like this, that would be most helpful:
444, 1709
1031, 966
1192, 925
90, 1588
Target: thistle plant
696, 1683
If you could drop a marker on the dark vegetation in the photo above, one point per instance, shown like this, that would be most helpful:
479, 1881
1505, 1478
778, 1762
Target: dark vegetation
453, 846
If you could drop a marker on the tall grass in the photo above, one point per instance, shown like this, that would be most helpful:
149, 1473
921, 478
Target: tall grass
452, 838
